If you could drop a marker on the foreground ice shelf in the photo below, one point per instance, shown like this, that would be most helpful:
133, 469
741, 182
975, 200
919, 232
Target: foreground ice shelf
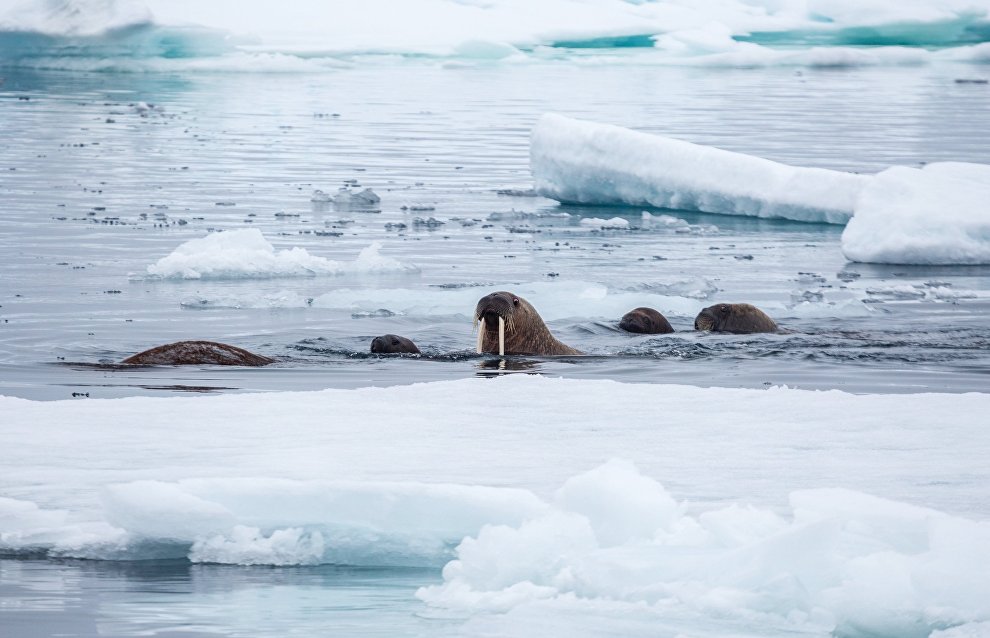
735, 512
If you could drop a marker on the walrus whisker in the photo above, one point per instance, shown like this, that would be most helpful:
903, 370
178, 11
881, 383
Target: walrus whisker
501, 336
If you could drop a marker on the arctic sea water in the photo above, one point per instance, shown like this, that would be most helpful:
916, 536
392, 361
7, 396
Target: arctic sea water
105, 171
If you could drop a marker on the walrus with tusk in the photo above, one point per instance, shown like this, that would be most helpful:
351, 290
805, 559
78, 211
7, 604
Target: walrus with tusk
508, 324
186, 353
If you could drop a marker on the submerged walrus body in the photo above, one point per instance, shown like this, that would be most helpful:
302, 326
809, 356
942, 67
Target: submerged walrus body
393, 344
645, 321
184, 353
739, 318
508, 324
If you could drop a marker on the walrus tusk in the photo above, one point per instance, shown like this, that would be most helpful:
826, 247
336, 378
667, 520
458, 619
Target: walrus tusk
501, 337
481, 334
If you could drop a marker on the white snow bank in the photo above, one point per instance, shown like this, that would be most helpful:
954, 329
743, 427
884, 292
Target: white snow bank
587, 163
938, 215
246, 254
839, 562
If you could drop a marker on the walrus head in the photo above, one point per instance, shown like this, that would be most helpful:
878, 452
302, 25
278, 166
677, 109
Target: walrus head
392, 344
508, 324
739, 318
645, 321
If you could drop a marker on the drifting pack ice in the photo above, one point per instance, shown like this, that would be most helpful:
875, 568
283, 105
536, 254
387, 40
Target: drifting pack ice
939, 215
588, 163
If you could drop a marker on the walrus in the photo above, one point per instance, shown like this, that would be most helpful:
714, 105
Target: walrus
184, 353
645, 321
508, 324
740, 318
393, 344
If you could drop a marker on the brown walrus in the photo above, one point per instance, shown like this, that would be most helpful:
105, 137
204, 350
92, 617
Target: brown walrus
393, 344
740, 318
508, 324
183, 353
645, 321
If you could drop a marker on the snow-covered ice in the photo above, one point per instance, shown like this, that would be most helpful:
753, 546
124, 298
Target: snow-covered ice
308, 36
589, 163
837, 562
657, 515
246, 254
938, 215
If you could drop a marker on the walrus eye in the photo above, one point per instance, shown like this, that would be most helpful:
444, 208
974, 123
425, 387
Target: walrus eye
395, 342
724, 310
515, 301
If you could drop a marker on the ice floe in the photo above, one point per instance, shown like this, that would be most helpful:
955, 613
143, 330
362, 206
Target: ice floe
939, 215
589, 163
246, 254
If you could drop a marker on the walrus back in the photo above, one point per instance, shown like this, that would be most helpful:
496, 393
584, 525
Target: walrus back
197, 353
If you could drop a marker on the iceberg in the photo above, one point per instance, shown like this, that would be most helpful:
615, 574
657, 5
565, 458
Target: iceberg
939, 215
581, 162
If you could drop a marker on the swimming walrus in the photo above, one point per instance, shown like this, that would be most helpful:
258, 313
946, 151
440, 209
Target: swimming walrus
393, 344
508, 324
184, 353
645, 321
740, 318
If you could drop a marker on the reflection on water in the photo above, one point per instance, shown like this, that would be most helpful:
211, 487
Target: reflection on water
176, 598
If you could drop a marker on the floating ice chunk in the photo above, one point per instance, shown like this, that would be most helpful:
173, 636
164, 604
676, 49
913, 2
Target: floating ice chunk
587, 163
366, 200
665, 220
247, 254
678, 225
615, 223
939, 215
319, 197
